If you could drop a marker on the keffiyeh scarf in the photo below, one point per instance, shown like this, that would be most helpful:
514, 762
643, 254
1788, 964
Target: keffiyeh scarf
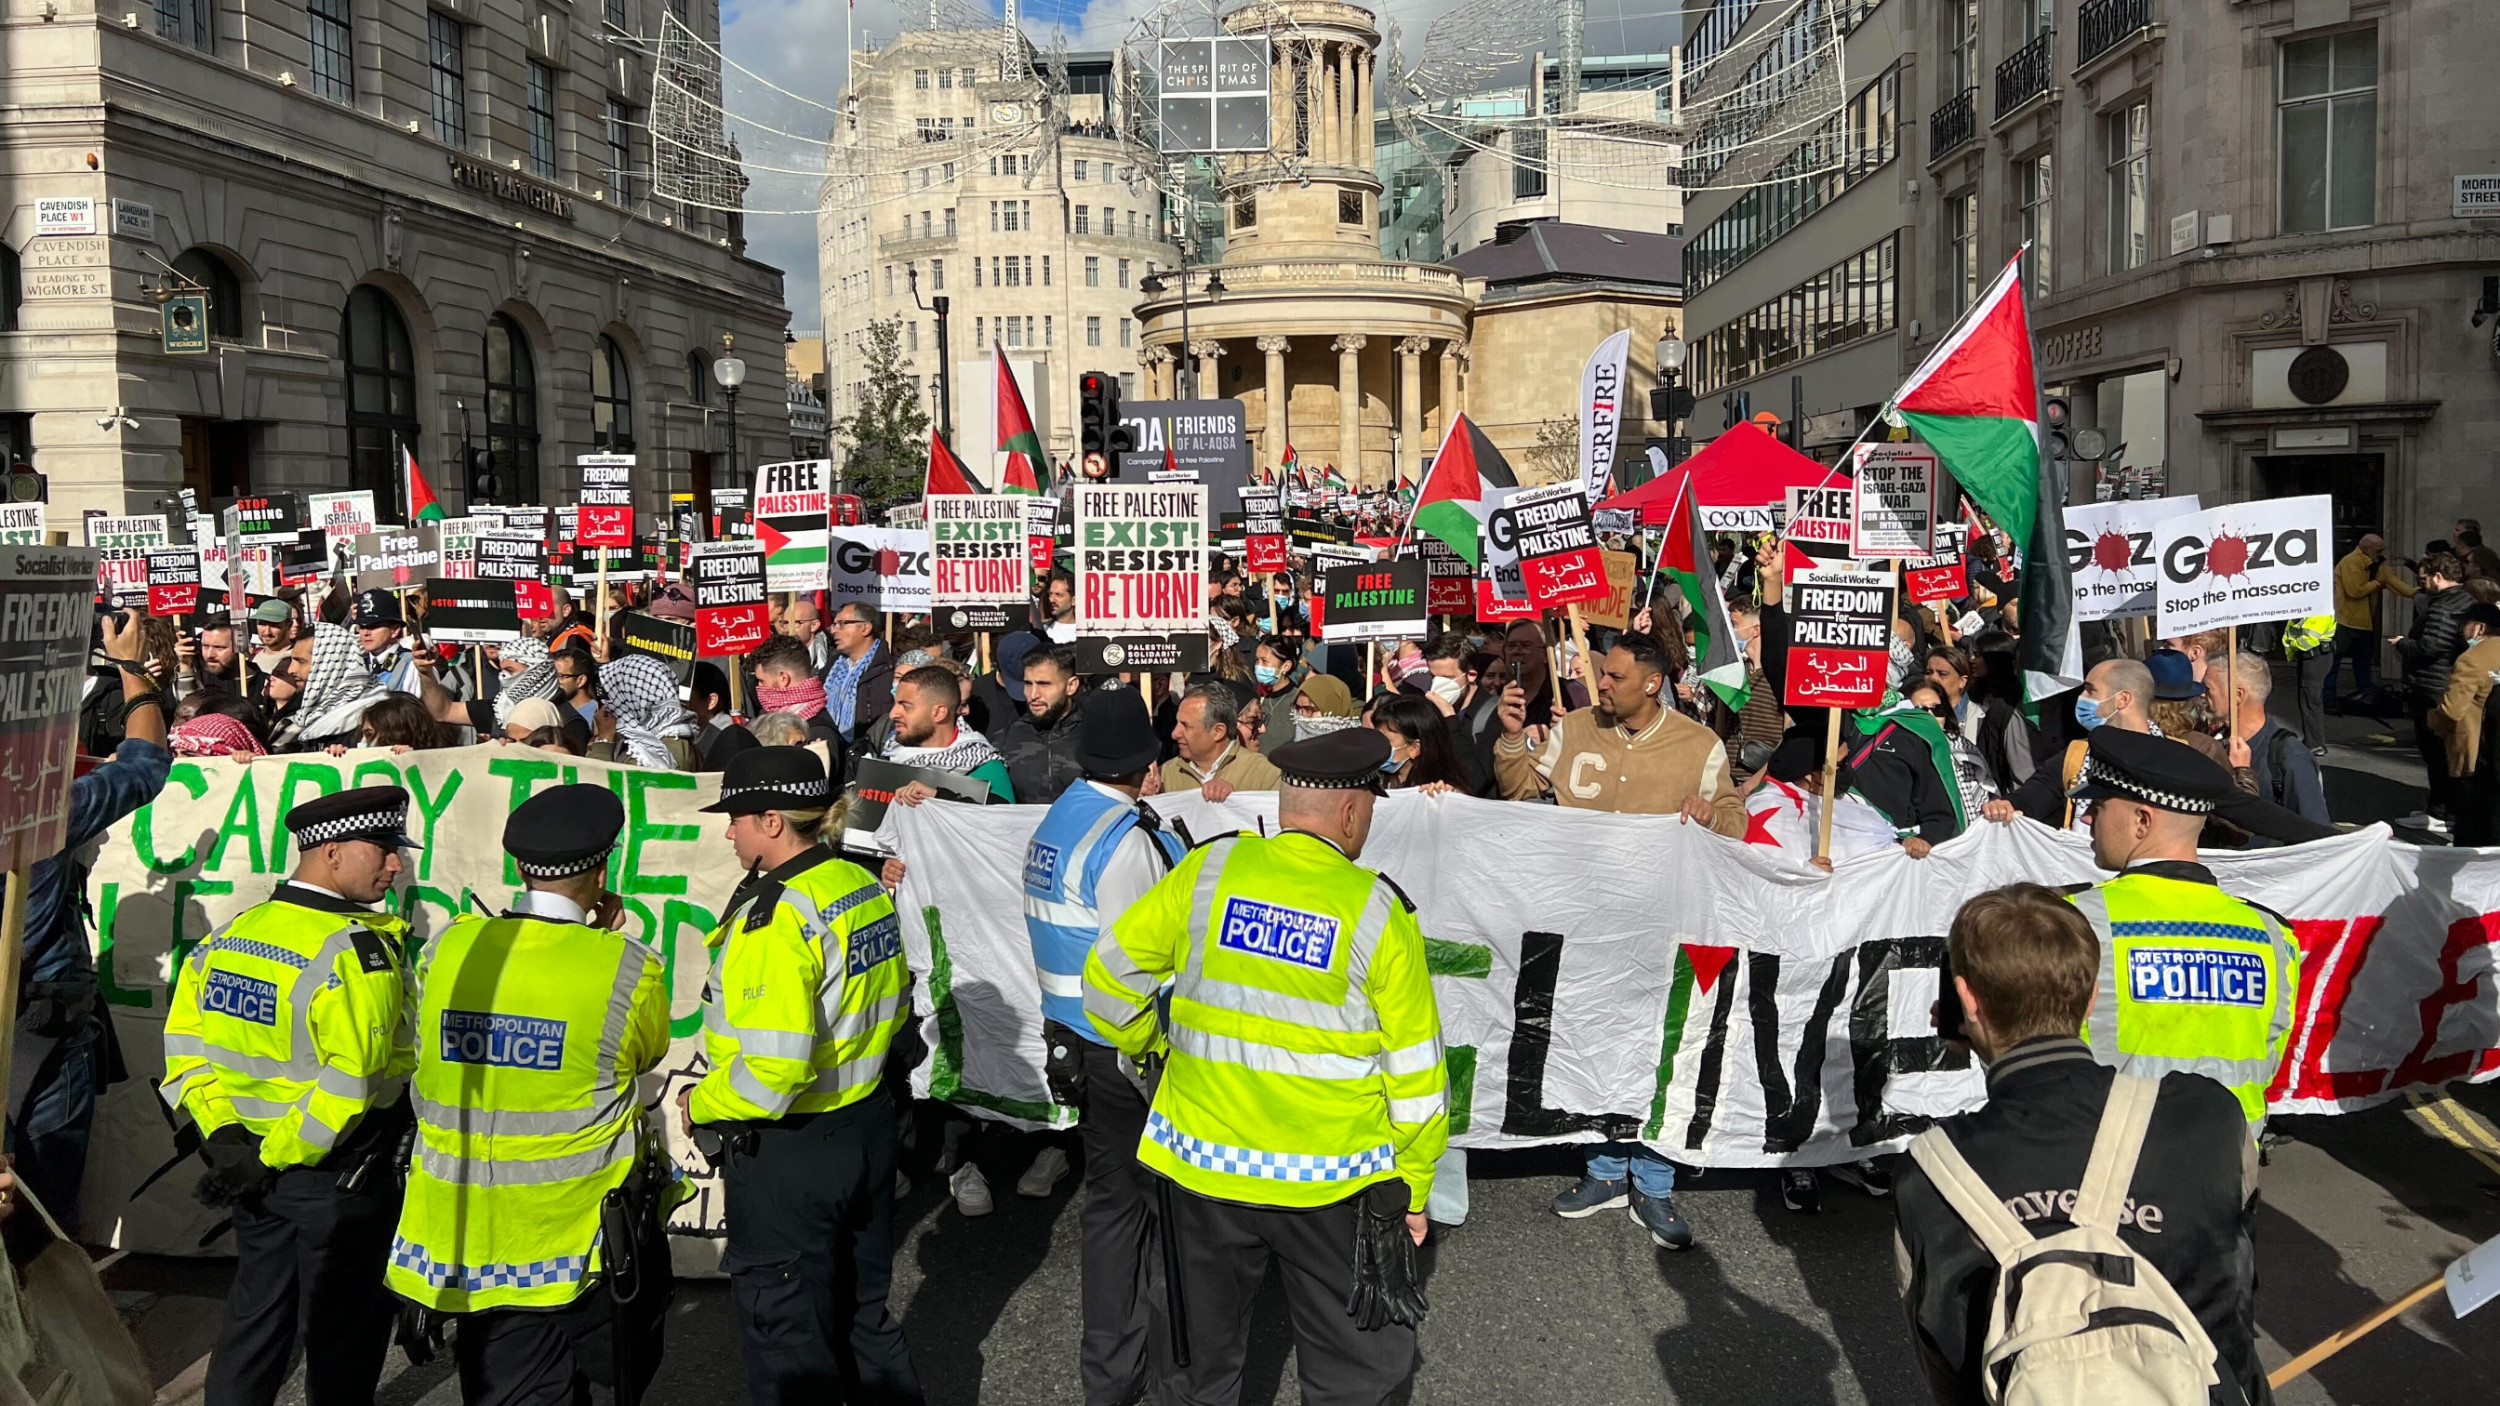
337, 687
536, 681
642, 697
968, 750
527, 653
213, 735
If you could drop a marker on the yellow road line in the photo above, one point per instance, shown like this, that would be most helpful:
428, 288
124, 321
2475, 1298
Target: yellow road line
2431, 1111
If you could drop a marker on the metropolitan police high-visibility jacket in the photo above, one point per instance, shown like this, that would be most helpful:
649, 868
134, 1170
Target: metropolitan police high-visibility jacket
2192, 980
530, 1033
292, 1021
808, 988
1063, 869
1305, 1045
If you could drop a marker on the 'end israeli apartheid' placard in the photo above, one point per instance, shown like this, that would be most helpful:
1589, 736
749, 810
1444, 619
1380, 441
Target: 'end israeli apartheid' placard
2243, 563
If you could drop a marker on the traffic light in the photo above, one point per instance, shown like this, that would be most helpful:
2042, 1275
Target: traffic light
1098, 418
27, 486
478, 469
2057, 419
1671, 404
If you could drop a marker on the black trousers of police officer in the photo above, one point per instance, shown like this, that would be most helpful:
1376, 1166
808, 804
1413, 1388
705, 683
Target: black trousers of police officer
810, 1259
551, 1356
1225, 1248
309, 1257
1117, 1223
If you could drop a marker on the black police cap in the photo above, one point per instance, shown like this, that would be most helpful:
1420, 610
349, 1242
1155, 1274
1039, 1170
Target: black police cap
377, 608
563, 831
772, 778
2156, 771
376, 813
1344, 760
1115, 737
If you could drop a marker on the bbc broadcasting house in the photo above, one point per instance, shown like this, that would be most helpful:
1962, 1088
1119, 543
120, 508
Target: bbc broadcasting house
409, 222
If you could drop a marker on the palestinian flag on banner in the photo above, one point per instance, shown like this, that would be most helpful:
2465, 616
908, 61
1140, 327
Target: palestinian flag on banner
946, 472
415, 491
1976, 402
1016, 439
1452, 504
1684, 558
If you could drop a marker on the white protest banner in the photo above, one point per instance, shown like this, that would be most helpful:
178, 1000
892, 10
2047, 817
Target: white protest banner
122, 569
21, 524
2109, 551
1601, 411
457, 536
792, 500
1718, 1000
978, 555
1822, 521
1141, 559
1896, 501
883, 567
2242, 563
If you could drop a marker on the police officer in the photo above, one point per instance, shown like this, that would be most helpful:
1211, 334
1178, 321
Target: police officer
2191, 978
535, 1207
1096, 853
807, 992
1302, 1097
288, 1044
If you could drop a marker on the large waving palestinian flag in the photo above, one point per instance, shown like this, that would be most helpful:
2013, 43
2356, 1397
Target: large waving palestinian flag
1976, 402
1452, 504
1684, 557
1026, 472
947, 473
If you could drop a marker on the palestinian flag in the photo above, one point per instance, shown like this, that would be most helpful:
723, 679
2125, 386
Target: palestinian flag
1976, 402
946, 472
1016, 439
1895, 711
1684, 558
1170, 464
1330, 479
1452, 504
1290, 465
418, 494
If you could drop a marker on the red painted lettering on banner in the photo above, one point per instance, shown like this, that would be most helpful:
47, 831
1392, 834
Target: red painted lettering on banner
2332, 951
2456, 987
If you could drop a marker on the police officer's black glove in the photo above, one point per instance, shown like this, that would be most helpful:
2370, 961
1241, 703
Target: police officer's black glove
418, 1331
1063, 1064
1386, 1289
236, 1175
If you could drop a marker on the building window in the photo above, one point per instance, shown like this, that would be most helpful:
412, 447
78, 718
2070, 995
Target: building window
2127, 144
1961, 273
1840, 153
1349, 207
1045, 270
949, 169
185, 22
2035, 183
1124, 273
616, 14
542, 110
511, 410
1015, 330
966, 77
946, 78
1961, 20
381, 392
911, 336
2328, 132
920, 79
1093, 331
449, 66
949, 221
12, 292
1132, 224
202, 269
611, 398
1527, 171
620, 152
980, 332
1125, 331
1093, 271
1245, 211
333, 50
1128, 385
1084, 224
1854, 299
937, 267
1080, 172
1050, 336
698, 379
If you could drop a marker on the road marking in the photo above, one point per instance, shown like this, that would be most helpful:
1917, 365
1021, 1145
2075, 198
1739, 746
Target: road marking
2437, 1112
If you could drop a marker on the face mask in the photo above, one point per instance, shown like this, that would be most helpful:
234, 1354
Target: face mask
1447, 690
1224, 632
1265, 673
2088, 713
1390, 767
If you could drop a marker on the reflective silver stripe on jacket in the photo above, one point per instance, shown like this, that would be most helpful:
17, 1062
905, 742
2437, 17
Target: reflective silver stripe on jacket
1354, 1015
1271, 1059
515, 1171
2102, 1027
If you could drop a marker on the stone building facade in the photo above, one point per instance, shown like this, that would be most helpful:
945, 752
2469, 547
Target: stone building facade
2258, 244
431, 226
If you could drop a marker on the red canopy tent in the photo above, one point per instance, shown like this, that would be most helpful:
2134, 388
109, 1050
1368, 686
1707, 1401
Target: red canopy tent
1737, 479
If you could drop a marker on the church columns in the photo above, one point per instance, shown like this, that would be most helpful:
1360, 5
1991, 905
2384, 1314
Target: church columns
1274, 349
1453, 351
1207, 350
1410, 401
1349, 350
1158, 373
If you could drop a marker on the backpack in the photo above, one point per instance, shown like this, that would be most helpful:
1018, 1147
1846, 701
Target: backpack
2079, 1318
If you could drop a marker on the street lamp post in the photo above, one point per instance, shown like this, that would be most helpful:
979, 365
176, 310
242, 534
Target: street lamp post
1671, 403
732, 373
945, 377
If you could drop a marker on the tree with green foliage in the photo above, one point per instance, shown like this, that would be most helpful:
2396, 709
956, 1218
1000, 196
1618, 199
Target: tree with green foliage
886, 437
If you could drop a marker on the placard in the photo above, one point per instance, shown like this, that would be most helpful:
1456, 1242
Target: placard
606, 501
521, 558
1449, 579
1840, 640
46, 615
122, 545
874, 780
2243, 563
1141, 559
1623, 570
730, 613
1822, 521
471, 612
978, 555
265, 520
883, 567
1896, 501
395, 558
1945, 577
1494, 609
792, 501
669, 641
1263, 545
457, 539
1115, 654
342, 518
2109, 553
1375, 600
173, 580
21, 524
1041, 530
1550, 530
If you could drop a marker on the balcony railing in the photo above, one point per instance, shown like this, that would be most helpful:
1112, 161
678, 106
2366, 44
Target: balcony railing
1953, 125
2102, 23
2026, 75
